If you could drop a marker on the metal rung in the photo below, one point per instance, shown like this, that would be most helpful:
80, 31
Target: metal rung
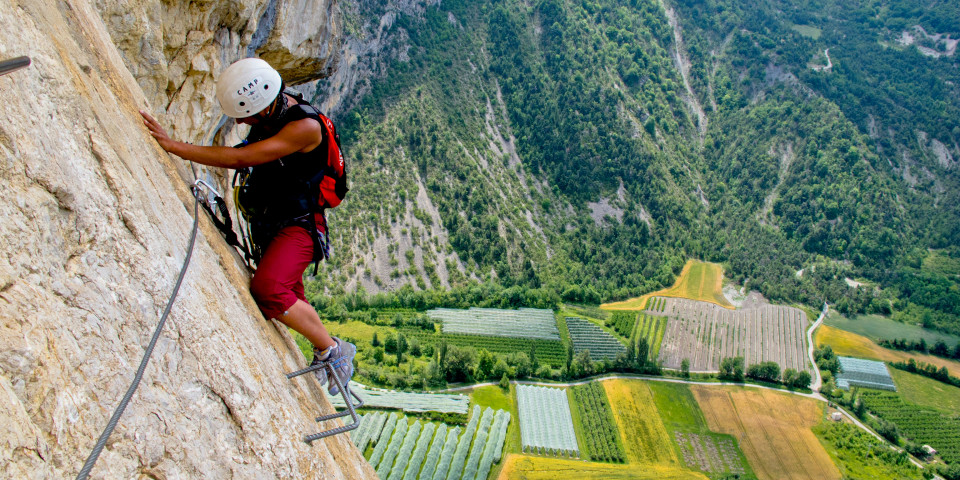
351, 407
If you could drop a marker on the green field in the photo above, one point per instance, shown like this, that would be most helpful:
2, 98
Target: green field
926, 392
920, 424
860, 456
547, 351
687, 427
876, 327
652, 328
597, 429
807, 31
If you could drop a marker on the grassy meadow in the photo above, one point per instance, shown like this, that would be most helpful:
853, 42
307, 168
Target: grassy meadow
697, 281
926, 392
877, 327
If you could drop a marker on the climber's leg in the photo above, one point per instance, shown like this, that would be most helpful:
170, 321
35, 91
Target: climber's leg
277, 285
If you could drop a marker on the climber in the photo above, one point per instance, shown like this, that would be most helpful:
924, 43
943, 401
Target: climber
291, 153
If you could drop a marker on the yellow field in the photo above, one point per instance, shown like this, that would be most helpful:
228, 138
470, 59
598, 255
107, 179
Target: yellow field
773, 430
522, 467
645, 438
697, 281
850, 344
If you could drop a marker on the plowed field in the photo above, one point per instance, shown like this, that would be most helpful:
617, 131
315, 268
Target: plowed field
773, 429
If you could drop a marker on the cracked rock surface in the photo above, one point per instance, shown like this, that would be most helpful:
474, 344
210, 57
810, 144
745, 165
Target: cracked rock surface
94, 223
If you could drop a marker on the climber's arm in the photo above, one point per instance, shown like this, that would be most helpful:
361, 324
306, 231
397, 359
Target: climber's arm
299, 136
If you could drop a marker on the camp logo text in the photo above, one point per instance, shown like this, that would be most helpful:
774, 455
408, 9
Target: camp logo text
250, 89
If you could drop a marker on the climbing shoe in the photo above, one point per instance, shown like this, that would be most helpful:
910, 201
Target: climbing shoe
342, 359
340, 355
321, 373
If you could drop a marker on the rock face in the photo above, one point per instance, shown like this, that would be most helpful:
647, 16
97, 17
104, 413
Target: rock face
94, 223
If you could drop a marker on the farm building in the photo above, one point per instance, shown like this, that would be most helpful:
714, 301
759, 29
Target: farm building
858, 372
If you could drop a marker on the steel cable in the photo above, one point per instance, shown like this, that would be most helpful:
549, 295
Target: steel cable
92, 459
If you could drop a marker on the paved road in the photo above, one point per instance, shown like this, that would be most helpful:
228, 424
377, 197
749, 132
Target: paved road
818, 381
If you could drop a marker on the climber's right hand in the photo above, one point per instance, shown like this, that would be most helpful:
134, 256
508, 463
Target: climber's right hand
158, 132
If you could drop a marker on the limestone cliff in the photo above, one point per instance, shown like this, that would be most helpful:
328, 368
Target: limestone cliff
94, 222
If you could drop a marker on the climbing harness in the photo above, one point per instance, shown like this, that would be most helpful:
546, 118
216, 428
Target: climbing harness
14, 64
216, 207
351, 407
292, 190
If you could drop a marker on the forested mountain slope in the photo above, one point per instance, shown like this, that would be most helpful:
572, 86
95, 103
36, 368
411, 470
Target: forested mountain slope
586, 149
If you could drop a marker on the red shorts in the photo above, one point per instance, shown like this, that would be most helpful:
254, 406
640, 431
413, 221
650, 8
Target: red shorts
278, 281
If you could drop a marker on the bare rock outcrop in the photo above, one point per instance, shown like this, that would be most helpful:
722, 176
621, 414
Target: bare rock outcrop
94, 224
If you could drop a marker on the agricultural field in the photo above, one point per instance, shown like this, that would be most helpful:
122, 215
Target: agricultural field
547, 351
522, 323
642, 432
922, 425
926, 392
623, 322
411, 451
876, 328
406, 401
546, 425
860, 456
586, 335
852, 345
705, 334
523, 467
697, 281
601, 438
653, 328
499, 399
773, 428
710, 452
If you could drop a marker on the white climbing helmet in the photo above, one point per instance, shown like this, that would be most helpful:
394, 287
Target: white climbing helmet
247, 86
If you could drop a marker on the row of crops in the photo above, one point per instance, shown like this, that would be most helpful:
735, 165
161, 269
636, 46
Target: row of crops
520, 323
587, 335
407, 401
921, 425
599, 427
704, 334
652, 328
656, 304
546, 425
623, 323
433, 451
632, 325
547, 351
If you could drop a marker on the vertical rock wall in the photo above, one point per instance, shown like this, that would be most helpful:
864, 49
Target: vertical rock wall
94, 224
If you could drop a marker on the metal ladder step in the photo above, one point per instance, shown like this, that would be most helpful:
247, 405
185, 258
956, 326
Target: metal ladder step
351, 407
